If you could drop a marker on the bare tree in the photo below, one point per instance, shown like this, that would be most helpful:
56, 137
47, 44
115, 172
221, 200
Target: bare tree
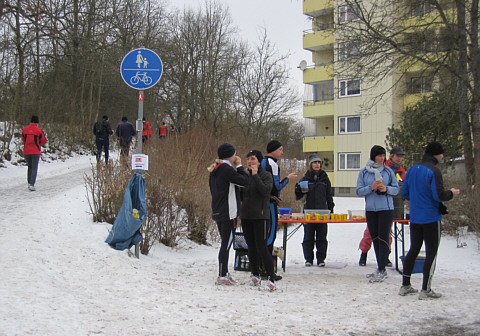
263, 94
438, 38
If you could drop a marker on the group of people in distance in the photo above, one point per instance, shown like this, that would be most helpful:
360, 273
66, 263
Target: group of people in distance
255, 192
125, 131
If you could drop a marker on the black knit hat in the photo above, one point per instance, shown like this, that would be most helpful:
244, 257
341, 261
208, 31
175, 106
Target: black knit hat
273, 145
225, 151
434, 148
376, 150
34, 119
256, 153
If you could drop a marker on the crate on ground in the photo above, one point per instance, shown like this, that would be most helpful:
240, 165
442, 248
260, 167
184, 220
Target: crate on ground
243, 264
419, 262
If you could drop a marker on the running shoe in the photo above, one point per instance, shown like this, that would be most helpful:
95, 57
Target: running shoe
405, 290
268, 286
430, 294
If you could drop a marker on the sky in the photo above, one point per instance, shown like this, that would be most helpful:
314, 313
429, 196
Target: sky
284, 22
59, 277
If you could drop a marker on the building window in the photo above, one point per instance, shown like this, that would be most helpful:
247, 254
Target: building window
348, 50
349, 87
348, 125
348, 13
421, 84
421, 8
348, 161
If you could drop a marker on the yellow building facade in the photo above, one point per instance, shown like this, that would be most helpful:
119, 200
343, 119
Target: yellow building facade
342, 129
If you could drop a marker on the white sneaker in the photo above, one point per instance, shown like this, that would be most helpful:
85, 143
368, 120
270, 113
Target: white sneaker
423, 295
268, 286
31, 187
255, 280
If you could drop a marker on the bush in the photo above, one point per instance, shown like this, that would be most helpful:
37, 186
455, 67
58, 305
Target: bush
106, 189
463, 211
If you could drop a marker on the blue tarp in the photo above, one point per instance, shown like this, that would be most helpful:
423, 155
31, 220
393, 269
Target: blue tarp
126, 229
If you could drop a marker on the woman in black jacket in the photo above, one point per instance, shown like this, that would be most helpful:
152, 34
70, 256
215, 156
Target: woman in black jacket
255, 216
318, 196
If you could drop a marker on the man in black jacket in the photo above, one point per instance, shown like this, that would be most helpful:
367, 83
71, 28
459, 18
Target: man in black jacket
224, 181
102, 131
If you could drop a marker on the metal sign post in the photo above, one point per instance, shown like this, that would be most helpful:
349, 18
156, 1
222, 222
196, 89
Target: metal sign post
141, 69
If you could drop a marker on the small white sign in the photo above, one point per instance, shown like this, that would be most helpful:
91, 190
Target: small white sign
2, 128
140, 161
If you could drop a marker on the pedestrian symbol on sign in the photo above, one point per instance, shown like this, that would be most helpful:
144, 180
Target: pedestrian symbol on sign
141, 68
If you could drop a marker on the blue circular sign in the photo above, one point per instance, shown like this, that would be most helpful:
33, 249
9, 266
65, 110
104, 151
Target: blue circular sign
141, 68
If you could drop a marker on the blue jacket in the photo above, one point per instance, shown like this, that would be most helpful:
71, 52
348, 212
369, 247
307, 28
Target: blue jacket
374, 201
423, 186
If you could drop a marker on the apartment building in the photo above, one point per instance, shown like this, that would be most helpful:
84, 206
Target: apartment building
346, 115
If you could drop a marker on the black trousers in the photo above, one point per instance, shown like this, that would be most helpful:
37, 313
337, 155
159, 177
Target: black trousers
430, 234
315, 234
255, 232
32, 164
379, 224
226, 230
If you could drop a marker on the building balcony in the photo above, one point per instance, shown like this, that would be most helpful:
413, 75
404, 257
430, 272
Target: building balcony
410, 100
318, 73
414, 65
318, 144
318, 109
412, 23
314, 7
318, 39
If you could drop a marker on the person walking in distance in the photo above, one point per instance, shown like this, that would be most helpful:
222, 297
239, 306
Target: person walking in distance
125, 132
224, 181
270, 164
102, 131
147, 131
33, 138
255, 217
162, 132
377, 183
423, 187
394, 162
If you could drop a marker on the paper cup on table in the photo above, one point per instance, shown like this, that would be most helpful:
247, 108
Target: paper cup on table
318, 217
307, 217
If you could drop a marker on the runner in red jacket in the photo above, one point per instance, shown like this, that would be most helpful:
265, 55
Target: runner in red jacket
33, 138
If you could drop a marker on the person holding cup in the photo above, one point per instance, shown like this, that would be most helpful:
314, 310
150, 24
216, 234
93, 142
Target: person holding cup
315, 190
378, 184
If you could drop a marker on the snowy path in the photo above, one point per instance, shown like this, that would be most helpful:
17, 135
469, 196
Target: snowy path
58, 277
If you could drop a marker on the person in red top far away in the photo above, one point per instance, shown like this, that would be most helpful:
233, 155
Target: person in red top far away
394, 162
33, 138
163, 131
147, 131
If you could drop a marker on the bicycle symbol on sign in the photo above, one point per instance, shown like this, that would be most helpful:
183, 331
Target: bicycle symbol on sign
141, 77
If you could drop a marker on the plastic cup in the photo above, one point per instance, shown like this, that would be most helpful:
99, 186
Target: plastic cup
307, 217
304, 186
318, 217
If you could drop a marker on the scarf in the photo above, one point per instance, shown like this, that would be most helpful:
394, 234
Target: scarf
395, 166
375, 168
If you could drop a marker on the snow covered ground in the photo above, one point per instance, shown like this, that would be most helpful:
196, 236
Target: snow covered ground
58, 277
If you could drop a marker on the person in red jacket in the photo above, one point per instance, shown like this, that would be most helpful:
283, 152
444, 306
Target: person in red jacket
33, 138
394, 162
147, 131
